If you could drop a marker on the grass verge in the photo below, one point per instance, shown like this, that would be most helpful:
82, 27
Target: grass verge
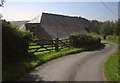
11, 72
111, 67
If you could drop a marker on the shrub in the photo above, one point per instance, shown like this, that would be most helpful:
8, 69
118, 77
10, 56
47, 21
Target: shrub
83, 40
14, 43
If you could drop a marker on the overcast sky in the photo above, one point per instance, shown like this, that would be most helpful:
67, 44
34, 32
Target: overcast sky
92, 10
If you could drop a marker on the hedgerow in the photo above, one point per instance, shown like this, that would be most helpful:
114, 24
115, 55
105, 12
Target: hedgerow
14, 43
85, 41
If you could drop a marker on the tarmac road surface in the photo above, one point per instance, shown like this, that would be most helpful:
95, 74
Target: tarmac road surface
84, 66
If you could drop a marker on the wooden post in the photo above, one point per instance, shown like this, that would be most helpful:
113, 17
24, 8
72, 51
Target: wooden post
57, 44
70, 41
52, 44
42, 43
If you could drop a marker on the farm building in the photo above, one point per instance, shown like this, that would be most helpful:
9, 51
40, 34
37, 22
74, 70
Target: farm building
51, 26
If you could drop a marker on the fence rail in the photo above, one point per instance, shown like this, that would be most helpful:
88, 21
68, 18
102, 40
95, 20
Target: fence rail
48, 45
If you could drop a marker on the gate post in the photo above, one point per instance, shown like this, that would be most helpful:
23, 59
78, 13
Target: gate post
42, 43
70, 41
57, 44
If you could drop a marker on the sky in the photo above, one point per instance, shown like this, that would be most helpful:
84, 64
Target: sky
61, 0
27, 10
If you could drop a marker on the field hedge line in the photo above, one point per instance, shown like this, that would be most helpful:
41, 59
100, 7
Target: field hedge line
14, 43
85, 41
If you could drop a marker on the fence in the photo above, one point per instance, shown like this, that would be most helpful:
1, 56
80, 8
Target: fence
48, 45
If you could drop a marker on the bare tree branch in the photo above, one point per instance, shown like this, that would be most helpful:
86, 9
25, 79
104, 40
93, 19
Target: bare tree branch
2, 2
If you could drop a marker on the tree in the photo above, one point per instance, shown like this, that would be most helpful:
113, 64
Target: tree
95, 25
108, 28
2, 2
1, 5
118, 27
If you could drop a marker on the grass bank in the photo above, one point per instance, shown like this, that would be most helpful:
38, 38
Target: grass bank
111, 64
15, 70
111, 67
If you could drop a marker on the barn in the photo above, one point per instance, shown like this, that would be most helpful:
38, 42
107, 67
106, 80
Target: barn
52, 26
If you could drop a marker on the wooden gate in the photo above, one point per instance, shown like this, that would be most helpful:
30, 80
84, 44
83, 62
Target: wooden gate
48, 45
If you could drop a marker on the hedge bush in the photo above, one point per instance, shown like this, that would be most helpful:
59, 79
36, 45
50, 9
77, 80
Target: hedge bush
14, 43
83, 40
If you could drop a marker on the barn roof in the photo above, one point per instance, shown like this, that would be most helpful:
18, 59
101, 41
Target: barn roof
60, 26
35, 20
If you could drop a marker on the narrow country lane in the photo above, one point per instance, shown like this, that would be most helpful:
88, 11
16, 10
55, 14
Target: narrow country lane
85, 66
